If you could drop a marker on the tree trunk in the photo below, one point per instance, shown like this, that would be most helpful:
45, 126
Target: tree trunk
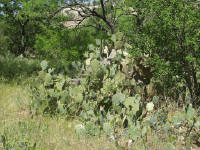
23, 33
192, 84
23, 36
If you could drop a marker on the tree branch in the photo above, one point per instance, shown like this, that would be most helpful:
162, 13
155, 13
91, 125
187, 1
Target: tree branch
103, 8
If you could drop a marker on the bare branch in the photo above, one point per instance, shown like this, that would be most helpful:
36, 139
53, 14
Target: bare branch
80, 22
103, 8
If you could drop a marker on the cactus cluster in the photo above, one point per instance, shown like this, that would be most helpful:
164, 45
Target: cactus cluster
104, 98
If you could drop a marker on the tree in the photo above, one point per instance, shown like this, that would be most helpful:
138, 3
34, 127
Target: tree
176, 35
3, 38
103, 15
63, 44
168, 33
23, 19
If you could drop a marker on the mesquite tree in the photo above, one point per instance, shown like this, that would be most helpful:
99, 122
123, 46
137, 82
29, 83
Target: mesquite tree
168, 32
23, 20
103, 15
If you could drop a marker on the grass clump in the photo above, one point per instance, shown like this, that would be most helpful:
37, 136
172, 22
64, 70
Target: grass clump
20, 130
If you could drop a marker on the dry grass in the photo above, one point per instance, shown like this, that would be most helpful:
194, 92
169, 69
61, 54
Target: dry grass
47, 133
23, 131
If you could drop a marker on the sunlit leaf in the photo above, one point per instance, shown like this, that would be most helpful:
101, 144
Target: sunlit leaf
150, 106
44, 65
118, 98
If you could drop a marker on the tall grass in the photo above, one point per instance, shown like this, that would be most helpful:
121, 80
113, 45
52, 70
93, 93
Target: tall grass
19, 130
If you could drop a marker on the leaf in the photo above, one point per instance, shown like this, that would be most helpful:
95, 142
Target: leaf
44, 65
76, 94
125, 53
112, 54
170, 146
128, 46
79, 98
83, 82
106, 50
144, 131
112, 71
64, 97
117, 109
132, 82
190, 112
118, 98
119, 36
52, 93
86, 54
95, 64
80, 130
178, 118
188, 99
48, 80
119, 77
197, 124
119, 45
98, 42
150, 106
61, 108
137, 97
107, 129
88, 61
136, 108
130, 101
51, 70
91, 47
59, 85
114, 38
155, 99
133, 103
134, 132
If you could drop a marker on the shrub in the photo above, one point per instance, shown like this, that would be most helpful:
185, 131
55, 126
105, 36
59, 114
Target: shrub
15, 67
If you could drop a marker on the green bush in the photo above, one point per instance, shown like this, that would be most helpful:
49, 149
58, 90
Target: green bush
13, 67
61, 43
168, 32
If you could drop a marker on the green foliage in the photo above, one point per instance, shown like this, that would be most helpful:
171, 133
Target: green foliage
13, 67
166, 34
106, 101
108, 87
157, 45
22, 19
62, 43
3, 38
